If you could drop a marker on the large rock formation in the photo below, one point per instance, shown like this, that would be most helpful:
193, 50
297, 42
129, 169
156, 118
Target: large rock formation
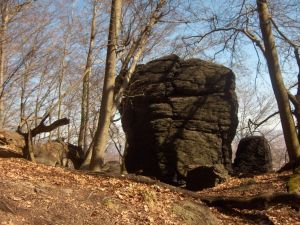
253, 156
179, 115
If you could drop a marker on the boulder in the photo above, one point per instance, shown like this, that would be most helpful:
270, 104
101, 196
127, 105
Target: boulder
53, 153
58, 153
253, 156
112, 167
179, 115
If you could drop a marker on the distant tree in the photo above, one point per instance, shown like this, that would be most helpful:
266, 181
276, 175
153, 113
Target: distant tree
8, 10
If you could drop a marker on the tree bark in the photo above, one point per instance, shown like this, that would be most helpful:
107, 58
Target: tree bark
281, 93
101, 135
82, 138
23, 92
60, 81
3, 28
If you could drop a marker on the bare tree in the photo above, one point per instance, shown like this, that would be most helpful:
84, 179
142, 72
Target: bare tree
4, 20
129, 61
83, 130
8, 10
280, 91
108, 88
228, 33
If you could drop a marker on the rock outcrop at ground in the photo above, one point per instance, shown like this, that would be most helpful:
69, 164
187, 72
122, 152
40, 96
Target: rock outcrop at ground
253, 156
179, 115
58, 153
52, 153
11, 144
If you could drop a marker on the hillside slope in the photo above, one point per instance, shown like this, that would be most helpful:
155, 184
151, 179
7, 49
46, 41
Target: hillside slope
38, 194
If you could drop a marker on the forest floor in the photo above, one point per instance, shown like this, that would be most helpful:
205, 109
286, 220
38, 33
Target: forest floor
38, 194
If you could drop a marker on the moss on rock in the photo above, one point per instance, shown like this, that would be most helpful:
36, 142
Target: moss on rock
194, 214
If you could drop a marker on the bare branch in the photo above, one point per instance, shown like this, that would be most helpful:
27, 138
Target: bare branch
41, 128
263, 121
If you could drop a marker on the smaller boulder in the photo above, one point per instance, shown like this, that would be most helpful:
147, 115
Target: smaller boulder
206, 177
253, 156
58, 153
113, 167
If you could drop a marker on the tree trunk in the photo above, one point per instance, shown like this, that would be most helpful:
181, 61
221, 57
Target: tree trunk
23, 92
135, 54
101, 135
60, 81
281, 94
82, 138
3, 28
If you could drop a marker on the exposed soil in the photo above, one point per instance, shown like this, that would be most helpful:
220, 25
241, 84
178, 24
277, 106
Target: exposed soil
38, 194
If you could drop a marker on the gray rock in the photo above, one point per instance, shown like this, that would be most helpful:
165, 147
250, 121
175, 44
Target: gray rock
253, 156
194, 214
58, 153
177, 115
113, 167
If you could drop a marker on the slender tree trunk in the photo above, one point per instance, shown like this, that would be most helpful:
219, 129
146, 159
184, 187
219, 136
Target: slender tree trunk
83, 131
297, 106
50, 133
3, 28
60, 81
101, 135
69, 127
23, 92
281, 94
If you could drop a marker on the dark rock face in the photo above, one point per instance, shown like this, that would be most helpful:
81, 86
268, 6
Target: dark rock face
179, 115
253, 156
206, 177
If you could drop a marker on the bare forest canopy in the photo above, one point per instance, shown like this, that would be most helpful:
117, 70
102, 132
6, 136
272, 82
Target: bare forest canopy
53, 52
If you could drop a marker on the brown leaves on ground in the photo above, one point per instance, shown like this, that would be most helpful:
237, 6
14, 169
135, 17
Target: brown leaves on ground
37, 194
